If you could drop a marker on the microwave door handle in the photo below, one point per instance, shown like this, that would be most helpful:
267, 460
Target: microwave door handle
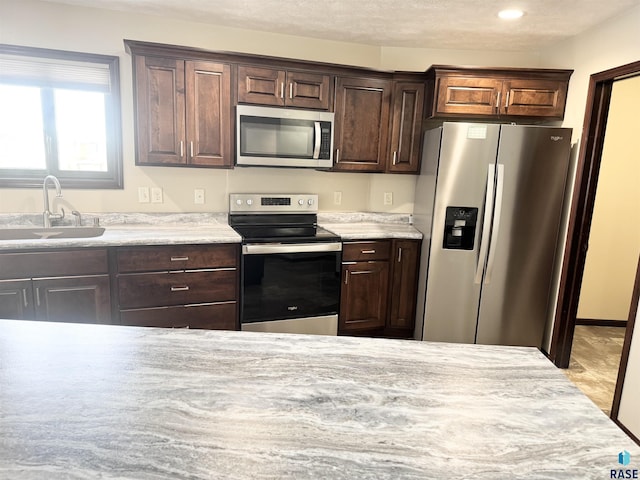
316, 148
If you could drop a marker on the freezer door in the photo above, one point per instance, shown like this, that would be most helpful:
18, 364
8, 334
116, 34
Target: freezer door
516, 286
467, 151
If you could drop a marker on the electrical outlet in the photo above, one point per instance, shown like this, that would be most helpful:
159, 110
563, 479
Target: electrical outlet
156, 195
388, 198
143, 194
198, 196
337, 198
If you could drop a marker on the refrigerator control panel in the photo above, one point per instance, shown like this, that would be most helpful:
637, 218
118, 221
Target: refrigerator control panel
460, 228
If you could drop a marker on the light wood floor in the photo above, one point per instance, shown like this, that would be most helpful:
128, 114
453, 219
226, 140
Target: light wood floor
595, 358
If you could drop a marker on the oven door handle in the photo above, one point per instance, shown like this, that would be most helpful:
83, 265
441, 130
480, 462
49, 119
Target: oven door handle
267, 248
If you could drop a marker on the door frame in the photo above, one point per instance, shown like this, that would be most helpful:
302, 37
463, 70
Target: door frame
584, 188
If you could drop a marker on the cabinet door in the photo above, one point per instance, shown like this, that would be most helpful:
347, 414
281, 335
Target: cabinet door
16, 300
363, 301
402, 293
160, 111
534, 98
308, 90
406, 130
73, 299
467, 95
361, 124
208, 113
264, 86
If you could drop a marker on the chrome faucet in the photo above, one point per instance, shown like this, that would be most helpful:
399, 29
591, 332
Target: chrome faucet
47, 215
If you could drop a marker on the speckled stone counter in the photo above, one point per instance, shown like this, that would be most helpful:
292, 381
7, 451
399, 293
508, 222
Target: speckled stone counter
134, 229
365, 226
86, 401
198, 228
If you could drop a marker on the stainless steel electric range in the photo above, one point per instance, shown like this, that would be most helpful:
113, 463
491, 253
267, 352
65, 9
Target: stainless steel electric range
291, 268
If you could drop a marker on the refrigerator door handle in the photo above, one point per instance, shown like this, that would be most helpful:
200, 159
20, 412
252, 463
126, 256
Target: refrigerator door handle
486, 224
496, 224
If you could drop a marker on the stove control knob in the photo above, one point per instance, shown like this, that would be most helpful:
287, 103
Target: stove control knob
249, 202
310, 201
238, 202
301, 202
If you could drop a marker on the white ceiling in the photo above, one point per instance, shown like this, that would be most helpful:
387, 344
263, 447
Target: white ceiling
449, 24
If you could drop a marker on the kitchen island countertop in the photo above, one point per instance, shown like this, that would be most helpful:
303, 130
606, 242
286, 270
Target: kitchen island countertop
91, 401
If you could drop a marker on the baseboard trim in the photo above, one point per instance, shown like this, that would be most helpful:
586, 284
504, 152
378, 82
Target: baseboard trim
599, 322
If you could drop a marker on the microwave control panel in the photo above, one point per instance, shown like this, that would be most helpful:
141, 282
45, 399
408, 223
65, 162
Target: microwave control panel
325, 140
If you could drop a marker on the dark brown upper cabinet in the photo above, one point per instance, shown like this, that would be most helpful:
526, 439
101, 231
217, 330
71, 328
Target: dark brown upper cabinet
406, 127
183, 112
501, 93
361, 124
378, 125
281, 88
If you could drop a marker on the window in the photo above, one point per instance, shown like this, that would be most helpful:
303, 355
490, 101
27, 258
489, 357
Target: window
59, 115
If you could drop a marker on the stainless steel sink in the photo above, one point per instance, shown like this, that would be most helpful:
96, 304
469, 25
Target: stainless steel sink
31, 233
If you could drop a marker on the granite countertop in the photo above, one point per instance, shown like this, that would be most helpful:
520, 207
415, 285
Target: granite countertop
123, 229
366, 226
97, 401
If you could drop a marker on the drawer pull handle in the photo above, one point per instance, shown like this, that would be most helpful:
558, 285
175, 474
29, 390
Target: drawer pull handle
24, 297
368, 251
179, 259
180, 289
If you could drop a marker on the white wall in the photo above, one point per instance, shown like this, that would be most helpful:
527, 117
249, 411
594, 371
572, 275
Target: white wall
629, 412
48, 25
613, 43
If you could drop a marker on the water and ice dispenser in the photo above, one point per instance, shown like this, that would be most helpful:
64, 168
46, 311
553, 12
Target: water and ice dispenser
460, 228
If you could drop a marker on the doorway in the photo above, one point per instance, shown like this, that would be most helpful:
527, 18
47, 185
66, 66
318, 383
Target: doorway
588, 168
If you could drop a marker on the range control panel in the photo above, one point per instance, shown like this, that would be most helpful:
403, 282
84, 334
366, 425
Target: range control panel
273, 203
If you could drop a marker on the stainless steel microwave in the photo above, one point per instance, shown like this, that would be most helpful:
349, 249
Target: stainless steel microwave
281, 137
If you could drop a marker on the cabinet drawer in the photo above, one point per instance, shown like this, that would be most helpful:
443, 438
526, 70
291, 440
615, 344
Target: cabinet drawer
211, 316
168, 288
363, 251
178, 257
54, 263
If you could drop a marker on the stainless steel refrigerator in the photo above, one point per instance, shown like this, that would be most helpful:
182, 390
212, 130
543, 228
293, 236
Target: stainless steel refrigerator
490, 198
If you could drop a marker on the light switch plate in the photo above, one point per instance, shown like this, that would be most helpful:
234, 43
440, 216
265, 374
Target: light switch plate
337, 198
156, 195
143, 194
388, 198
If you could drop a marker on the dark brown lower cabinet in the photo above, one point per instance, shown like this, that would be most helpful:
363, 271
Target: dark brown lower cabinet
57, 286
403, 290
212, 316
73, 299
379, 286
16, 300
363, 303
179, 286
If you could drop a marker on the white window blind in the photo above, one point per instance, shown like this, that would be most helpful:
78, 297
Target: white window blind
55, 72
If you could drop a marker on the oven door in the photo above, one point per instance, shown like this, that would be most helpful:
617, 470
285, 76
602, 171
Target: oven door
291, 288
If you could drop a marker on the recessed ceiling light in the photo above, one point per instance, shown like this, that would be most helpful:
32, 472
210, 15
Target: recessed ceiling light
510, 14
